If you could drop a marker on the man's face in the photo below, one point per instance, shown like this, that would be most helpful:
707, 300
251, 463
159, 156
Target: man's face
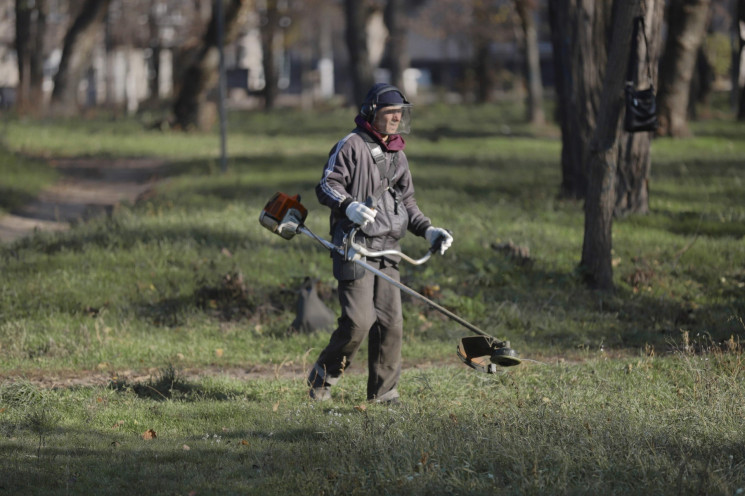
387, 120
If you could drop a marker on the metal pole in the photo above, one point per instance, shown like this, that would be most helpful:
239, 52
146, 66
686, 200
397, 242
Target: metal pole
221, 84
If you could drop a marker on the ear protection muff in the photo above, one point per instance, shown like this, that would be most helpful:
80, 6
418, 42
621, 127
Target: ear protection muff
368, 107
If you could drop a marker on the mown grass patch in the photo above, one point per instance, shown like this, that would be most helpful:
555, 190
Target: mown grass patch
666, 425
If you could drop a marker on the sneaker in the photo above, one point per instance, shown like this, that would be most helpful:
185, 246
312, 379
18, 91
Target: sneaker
391, 398
320, 390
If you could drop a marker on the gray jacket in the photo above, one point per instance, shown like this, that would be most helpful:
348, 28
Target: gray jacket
351, 175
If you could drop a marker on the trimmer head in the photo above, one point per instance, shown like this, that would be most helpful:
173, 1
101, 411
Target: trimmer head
484, 353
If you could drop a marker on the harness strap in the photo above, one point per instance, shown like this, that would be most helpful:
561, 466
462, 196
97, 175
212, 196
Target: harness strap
387, 173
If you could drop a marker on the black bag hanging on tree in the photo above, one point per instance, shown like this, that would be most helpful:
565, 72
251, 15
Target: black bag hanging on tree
641, 107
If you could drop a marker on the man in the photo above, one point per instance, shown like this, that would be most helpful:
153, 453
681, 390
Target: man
367, 182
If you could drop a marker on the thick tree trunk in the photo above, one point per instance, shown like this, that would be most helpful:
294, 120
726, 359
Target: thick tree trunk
398, 53
634, 158
526, 11
603, 154
579, 35
686, 29
357, 14
29, 39
270, 26
202, 73
77, 51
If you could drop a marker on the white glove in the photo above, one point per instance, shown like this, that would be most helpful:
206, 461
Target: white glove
360, 214
432, 234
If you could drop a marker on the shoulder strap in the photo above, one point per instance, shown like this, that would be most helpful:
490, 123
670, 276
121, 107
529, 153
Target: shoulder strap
632, 69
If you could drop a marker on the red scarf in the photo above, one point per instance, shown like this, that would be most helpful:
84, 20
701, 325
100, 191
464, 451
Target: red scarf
395, 141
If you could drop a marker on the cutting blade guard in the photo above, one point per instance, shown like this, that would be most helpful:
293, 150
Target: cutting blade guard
283, 215
484, 353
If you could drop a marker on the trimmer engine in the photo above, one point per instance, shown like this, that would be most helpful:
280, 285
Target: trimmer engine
283, 214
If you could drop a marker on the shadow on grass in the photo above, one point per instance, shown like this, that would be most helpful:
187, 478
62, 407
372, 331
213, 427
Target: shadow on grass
11, 198
229, 299
169, 385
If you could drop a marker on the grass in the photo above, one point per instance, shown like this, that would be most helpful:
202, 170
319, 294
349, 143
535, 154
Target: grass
637, 392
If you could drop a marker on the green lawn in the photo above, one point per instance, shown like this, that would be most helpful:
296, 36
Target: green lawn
639, 391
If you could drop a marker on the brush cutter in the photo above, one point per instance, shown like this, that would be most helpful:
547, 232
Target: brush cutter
284, 215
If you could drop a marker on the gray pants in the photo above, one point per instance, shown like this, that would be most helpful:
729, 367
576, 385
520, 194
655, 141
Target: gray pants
371, 307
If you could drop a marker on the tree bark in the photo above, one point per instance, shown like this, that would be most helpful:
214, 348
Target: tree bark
579, 34
687, 21
202, 73
603, 155
29, 39
77, 51
634, 157
270, 25
526, 11
398, 58
357, 14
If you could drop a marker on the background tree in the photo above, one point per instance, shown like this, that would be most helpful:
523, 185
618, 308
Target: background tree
77, 51
270, 16
31, 18
687, 21
397, 54
526, 9
740, 28
579, 30
634, 157
357, 14
201, 74
603, 155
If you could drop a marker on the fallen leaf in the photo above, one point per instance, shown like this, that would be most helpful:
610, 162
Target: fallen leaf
118, 424
219, 352
275, 407
453, 418
361, 408
186, 447
226, 252
149, 434
244, 442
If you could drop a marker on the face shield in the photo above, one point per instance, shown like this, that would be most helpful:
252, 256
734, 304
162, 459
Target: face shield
393, 119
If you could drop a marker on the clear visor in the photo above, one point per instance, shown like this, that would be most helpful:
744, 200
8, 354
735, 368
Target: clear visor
393, 119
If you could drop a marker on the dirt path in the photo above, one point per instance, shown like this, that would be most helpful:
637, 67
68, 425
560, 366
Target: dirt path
88, 187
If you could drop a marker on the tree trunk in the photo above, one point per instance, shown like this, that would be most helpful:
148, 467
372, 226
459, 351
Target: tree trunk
270, 26
634, 158
357, 13
740, 26
579, 36
29, 39
154, 32
202, 74
526, 11
398, 53
77, 51
603, 154
687, 21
